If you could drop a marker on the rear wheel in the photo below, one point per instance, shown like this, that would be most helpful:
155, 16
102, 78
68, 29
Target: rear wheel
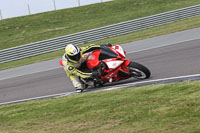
98, 83
139, 71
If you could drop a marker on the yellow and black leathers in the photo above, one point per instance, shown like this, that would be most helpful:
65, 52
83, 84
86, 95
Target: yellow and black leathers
71, 68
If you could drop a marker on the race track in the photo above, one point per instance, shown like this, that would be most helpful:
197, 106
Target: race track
169, 61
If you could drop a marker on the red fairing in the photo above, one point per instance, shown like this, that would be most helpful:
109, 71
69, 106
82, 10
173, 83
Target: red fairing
93, 59
118, 49
115, 65
125, 64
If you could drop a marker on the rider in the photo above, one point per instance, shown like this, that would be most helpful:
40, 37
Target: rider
74, 62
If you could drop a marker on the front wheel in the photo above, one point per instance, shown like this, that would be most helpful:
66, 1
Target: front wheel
139, 71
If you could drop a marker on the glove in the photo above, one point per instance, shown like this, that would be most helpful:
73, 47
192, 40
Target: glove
96, 79
109, 45
95, 75
106, 45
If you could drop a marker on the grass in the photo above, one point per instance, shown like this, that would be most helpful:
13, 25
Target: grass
157, 108
33, 28
23, 30
139, 35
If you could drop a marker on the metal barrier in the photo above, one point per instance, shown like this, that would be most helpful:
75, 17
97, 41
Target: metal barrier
54, 44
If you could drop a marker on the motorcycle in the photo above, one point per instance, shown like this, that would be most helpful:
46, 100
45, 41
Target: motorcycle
111, 65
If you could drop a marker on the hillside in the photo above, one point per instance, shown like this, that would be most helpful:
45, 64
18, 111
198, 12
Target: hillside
23, 30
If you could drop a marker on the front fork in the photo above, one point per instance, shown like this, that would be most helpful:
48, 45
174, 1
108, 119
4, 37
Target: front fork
125, 65
124, 72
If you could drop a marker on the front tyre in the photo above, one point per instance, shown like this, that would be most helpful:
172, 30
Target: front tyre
138, 71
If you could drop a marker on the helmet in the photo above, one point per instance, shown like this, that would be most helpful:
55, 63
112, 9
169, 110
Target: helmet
72, 53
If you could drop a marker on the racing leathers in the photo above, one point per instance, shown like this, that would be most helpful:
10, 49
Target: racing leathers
73, 70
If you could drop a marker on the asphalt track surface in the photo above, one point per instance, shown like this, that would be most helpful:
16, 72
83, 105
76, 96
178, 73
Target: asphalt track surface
169, 61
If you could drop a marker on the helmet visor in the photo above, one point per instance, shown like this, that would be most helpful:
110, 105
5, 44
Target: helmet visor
75, 57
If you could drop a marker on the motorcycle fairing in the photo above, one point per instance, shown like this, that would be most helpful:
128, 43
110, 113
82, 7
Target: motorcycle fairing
107, 53
119, 50
114, 58
113, 64
113, 75
93, 59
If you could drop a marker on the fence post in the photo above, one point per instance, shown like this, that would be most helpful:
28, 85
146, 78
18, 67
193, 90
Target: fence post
101, 1
29, 10
54, 3
1, 15
79, 3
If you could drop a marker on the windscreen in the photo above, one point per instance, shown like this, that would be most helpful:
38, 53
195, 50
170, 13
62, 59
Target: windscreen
106, 53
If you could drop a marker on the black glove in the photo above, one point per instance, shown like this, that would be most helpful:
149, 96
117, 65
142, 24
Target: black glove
97, 80
109, 45
106, 45
95, 75
98, 71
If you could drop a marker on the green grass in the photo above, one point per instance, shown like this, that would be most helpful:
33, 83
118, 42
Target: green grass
172, 108
139, 35
23, 30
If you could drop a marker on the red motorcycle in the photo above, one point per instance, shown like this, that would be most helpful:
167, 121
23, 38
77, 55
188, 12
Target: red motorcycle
112, 65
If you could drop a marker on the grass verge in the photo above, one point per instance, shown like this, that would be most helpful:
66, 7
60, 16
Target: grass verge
157, 108
27, 29
139, 35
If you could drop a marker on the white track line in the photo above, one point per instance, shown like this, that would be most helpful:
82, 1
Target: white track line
150, 81
37, 98
110, 88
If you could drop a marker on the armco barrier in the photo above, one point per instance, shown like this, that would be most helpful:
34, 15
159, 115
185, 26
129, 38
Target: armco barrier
54, 44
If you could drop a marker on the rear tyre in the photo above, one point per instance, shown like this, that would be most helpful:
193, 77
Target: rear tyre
138, 71
98, 83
